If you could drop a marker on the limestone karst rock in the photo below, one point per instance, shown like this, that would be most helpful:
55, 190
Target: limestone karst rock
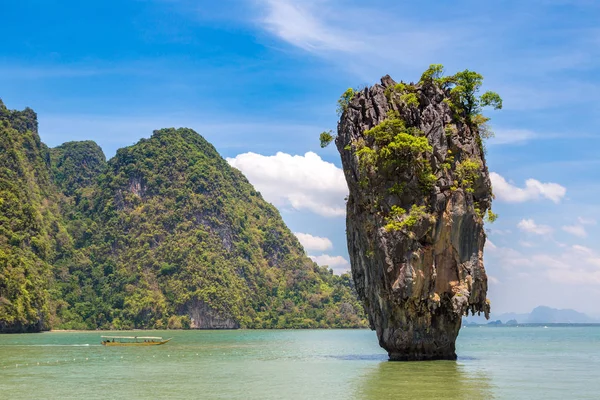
166, 234
419, 190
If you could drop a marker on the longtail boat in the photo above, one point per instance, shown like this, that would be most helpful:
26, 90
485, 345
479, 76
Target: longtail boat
133, 340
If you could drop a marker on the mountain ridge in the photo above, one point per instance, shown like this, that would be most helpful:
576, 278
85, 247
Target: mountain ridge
165, 234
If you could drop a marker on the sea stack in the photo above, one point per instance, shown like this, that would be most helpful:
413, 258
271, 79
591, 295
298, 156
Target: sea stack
419, 188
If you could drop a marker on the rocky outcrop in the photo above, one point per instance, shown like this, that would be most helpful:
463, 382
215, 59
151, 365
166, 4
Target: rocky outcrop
414, 215
202, 316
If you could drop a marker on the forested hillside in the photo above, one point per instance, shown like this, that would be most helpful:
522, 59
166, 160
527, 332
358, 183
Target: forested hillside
76, 165
165, 234
32, 232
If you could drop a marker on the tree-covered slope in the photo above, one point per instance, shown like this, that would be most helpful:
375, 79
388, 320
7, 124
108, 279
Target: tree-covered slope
76, 165
165, 234
32, 235
174, 236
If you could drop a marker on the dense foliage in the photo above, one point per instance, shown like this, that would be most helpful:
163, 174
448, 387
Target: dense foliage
32, 235
141, 240
464, 99
394, 148
326, 138
344, 100
76, 165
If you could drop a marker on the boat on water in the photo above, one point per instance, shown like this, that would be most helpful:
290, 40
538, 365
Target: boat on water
133, 340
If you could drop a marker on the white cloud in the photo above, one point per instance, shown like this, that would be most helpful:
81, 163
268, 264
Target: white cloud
510, 258
315, 243
575, 264
583, 250
298, 23
493, 280
574, 277
586, 221
529, 225
501, 232
510, 136
322, 27
533, 190
338, 263
301, 182
331, 261
577, 230
504, 136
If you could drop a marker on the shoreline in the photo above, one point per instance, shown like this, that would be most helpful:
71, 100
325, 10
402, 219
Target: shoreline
205, 329
526, 325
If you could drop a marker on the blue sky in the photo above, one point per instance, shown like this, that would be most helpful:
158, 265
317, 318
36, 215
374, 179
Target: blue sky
260, 78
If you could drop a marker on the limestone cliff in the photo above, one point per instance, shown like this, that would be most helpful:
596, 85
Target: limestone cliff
166, 234
419, 190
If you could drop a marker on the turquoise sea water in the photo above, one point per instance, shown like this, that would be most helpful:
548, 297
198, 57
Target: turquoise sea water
494, 363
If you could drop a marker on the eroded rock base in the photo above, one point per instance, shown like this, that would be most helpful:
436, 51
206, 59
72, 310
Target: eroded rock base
416, 356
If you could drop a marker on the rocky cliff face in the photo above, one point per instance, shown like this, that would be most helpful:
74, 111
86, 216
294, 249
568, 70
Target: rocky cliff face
419, 188
202, 316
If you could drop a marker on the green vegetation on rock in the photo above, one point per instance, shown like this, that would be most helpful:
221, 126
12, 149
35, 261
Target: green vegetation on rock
164, 235
76, 165
344, 100
490, 216
399, 219
395, 148
32, 235
403, 91
326, 138
434, 73
463, 90
410, 99
468, 171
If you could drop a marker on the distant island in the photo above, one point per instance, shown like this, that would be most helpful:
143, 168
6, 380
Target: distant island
539, 315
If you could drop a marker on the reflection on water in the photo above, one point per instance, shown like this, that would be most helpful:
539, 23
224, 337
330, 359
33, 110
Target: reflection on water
424, 380
361, 357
